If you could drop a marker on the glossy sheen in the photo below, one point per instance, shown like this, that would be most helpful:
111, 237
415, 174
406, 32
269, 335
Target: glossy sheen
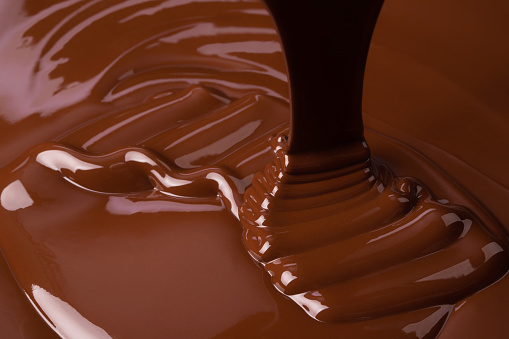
339, 234
122, 170
356, 243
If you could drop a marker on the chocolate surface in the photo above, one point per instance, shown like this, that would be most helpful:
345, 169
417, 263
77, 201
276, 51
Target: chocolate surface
131, 130
338, 234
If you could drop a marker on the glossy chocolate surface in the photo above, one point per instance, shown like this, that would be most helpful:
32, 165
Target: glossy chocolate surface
131, 130
338, 234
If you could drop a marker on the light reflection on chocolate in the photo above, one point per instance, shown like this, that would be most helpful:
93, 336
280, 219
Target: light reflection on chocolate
110, 246
356, 243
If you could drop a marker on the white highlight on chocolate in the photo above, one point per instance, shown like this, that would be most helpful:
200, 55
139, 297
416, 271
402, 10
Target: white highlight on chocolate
138, 157
15, 197
125, 206
312, 307
226, 191
67, 321
287, 277
58, 160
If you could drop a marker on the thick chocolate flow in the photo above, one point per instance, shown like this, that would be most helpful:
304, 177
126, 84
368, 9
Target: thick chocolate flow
337, 233
326, 46
122, 173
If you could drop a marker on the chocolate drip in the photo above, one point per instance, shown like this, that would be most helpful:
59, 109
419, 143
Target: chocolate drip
358, 243
326, 45
145, 130
338, 233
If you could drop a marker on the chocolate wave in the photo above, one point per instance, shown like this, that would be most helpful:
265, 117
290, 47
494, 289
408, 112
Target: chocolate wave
357, 243
193, 150
143, 102
345, 244
213, 146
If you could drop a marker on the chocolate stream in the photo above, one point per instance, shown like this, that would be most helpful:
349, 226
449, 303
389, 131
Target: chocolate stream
326, 46
189, 130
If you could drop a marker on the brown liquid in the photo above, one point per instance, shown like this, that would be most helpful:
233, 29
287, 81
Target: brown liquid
326, 45
135, 242
338, 234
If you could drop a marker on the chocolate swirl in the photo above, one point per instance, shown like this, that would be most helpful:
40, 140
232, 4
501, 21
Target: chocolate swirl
125, 137
215, 151
357, 243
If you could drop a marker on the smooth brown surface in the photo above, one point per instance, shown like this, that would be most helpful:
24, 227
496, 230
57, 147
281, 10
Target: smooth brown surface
118, 216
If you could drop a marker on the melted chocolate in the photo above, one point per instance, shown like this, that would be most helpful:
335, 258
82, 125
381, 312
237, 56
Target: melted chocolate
326, 46
337, 233
118, 216
357, 243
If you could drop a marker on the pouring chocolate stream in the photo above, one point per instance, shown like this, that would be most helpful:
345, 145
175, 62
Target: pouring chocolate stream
346, 241
336, 231
326, 46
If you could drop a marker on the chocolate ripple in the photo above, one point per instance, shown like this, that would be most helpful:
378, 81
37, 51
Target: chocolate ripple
362, 244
